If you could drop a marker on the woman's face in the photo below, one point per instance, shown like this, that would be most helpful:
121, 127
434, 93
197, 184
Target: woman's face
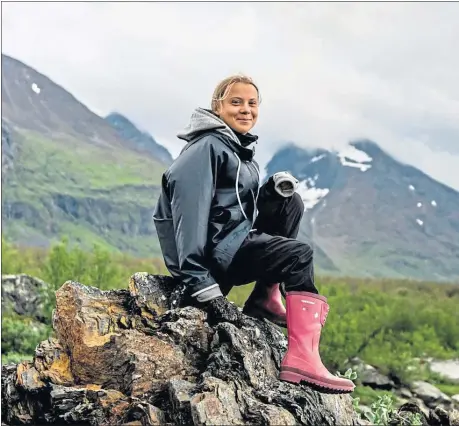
239, 110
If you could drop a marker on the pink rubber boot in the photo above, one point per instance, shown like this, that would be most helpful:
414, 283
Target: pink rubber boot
266, 302
306, 315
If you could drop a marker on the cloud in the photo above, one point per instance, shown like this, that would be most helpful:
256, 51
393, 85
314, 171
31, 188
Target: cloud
329, 72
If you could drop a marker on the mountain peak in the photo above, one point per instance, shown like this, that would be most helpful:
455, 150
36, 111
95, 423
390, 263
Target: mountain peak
368, 146
129, 131
371, 214
352, 156
116, 119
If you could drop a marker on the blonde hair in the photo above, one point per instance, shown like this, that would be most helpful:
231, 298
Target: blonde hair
224, 87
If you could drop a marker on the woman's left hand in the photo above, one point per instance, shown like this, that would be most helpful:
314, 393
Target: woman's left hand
221, 309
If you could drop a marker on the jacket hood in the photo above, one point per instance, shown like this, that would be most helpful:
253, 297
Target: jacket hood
202, 120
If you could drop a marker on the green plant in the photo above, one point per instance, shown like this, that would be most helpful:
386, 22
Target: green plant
349, 374
414, 419
382, 412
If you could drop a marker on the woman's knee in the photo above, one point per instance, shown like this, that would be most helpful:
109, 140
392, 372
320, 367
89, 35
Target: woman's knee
299, 249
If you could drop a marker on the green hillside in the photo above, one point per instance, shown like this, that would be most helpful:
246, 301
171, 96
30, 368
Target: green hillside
91, 193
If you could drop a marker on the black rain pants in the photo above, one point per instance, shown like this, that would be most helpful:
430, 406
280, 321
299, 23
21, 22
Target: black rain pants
271, 254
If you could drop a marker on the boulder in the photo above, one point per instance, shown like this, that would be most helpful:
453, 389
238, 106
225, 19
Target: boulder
370, 376
405, 393
448, 369
134, 357
435, 417
431, 395
373, 378
25, 295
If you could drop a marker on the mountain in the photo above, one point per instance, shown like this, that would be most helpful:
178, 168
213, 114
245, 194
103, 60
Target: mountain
368, 214
67, 171
127, 130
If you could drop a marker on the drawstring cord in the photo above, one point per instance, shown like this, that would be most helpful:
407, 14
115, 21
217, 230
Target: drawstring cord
237, 190
237, 185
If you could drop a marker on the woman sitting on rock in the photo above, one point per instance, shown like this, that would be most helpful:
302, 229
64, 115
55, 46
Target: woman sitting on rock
212, 238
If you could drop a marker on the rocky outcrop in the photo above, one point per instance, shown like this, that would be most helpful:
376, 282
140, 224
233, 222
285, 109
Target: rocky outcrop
125, 357
8, 150
25, 295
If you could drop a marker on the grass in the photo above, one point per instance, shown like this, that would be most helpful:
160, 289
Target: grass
79, 166
111, 193
368, 395
448, 389
15, 358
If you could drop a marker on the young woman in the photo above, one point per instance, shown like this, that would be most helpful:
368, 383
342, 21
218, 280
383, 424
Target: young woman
217, 228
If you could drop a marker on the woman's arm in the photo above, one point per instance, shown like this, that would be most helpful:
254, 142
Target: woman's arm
191, 188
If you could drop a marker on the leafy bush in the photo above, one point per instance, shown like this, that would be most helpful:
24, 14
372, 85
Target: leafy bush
382, 412
21, 334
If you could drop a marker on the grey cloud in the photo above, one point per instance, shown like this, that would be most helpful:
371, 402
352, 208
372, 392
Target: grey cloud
329, 72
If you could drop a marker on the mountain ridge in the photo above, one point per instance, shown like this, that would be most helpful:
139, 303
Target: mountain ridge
69, 172
372, 214
295, 149
129, 131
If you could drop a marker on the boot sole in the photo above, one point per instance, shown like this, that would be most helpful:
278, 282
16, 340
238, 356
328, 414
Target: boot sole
261, 314
297, 378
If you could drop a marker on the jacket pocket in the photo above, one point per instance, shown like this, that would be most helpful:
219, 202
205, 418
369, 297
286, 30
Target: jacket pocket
228, 218
225, 250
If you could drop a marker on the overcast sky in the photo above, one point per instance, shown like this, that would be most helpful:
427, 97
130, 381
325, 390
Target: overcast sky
328, 72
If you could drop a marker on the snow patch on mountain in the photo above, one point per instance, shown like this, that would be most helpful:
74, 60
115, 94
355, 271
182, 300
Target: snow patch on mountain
311, 182
353, 157
411, 188
434, 203
310, 195
317, 158
420, 222
35, 88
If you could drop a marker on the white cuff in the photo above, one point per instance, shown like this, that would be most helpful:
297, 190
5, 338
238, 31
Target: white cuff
282, 177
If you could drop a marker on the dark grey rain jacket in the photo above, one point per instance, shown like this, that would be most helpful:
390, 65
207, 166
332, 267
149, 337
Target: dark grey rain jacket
207, 204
